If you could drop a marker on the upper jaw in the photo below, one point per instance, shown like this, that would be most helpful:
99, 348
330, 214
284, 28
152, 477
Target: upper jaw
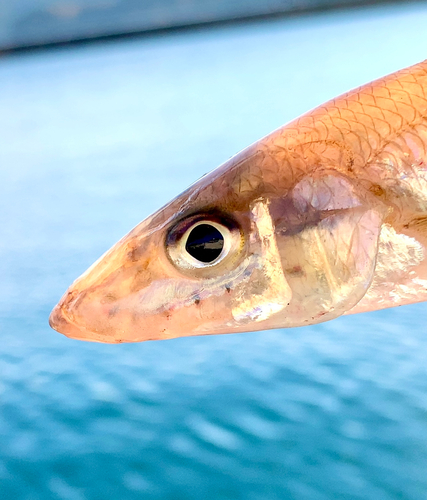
60, 321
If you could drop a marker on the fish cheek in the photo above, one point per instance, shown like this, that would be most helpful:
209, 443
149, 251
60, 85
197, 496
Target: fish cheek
178, 307
264, 292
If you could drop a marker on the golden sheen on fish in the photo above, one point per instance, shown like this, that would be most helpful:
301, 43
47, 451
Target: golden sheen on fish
323, 217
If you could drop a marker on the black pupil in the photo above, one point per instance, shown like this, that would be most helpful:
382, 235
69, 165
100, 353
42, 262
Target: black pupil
205, 243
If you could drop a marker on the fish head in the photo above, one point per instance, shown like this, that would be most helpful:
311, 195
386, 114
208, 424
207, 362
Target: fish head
247, 247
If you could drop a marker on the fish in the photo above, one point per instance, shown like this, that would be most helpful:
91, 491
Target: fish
325, 216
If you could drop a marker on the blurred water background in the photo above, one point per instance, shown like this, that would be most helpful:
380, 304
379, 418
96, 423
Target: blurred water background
95, 138
27, 23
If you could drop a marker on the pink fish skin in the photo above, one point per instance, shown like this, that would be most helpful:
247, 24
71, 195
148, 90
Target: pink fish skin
323, 217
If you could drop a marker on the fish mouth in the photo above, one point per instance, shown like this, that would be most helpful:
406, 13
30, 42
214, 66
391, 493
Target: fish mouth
60, 321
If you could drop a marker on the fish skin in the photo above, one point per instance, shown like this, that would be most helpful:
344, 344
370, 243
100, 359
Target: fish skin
328, 216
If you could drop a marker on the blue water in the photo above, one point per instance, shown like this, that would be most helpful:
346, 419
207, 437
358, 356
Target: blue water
94, 139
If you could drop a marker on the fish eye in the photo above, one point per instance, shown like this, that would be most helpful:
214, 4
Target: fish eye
205, 243
202, 242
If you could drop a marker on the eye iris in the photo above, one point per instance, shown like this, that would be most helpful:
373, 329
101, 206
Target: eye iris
205, 243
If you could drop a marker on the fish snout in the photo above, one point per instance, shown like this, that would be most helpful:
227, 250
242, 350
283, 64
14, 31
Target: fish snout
60, 320
64, 319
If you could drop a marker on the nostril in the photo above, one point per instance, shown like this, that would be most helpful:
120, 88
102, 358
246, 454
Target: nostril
71, 297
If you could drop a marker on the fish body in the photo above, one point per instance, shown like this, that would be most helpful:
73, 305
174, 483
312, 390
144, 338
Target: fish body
323, 217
